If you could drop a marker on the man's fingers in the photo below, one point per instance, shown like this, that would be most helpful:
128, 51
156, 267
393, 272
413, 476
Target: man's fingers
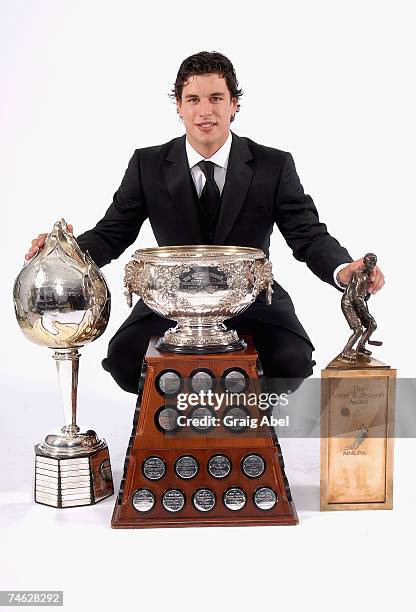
379, 283
377, 280
355, 265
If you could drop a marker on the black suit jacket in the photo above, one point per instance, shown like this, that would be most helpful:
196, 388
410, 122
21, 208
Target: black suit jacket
261, 188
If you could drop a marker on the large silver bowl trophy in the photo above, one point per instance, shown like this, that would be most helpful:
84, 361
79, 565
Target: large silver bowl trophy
199, 287
62, 301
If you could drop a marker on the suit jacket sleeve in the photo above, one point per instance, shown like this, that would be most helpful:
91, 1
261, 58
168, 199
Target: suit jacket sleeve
297, 219
122, 221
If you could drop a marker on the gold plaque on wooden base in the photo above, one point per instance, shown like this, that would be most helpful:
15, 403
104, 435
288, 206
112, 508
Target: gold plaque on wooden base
357, 435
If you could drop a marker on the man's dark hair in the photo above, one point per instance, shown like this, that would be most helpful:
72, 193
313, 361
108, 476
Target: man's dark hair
207, 62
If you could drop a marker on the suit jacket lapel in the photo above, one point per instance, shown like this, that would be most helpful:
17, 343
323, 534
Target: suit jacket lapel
237, 182
179, 182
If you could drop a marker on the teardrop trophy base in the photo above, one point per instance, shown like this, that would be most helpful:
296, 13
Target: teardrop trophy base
68, 473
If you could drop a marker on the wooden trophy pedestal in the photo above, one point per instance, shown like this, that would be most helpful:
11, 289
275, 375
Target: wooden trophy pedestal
200, 477
357, 435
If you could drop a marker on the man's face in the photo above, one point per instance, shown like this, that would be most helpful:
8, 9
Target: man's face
206, 108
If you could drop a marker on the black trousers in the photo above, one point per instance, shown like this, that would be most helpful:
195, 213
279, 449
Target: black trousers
286, 357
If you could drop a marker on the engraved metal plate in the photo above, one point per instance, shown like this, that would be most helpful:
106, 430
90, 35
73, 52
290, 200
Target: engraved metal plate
75, 473
234, 498
80, 494
143, 500
51, 500
42, 459
236, 420
202, 380
219, 466
168, 382
44, 489
154, 468
265, 498
186, 467
47, 474
253, 465
46, 465
199, 277
71, 483
75, 502
173, 500
204, 500
167, 418
202, 419
234, 381
83, 462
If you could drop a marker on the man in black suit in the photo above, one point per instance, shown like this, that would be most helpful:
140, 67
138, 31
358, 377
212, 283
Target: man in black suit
211, 186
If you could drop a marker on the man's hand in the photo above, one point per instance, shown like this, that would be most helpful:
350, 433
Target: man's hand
37, 244
376, 278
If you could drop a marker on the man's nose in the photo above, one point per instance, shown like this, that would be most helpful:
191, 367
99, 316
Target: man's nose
205, 108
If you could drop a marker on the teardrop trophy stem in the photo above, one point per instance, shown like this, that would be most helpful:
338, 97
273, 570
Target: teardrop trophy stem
67, 367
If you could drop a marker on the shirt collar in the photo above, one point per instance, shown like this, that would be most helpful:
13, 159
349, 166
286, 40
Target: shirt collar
220, 158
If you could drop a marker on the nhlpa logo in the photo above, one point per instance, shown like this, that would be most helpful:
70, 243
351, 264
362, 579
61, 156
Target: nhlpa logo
360, 435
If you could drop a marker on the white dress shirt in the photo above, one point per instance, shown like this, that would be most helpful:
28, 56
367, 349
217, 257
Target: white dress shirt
220, 159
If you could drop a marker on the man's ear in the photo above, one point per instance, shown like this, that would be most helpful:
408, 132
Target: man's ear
178, 106
234, 104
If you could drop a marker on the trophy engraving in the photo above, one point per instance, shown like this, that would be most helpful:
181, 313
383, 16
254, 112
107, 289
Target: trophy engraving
219, 466
62, 301
154, 468
173, 500
202, 419
169, 383
264, 498
234, 380
235, 419
143, 500
202, 380
234, 498
167, 419
186, 467
253, 465
204, 500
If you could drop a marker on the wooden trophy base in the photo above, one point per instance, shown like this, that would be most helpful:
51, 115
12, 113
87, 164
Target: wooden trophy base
200, 476
357, 435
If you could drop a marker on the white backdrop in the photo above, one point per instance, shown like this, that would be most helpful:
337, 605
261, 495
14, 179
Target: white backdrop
85, 83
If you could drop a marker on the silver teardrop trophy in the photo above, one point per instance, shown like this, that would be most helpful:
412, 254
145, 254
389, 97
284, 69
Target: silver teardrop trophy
62, 301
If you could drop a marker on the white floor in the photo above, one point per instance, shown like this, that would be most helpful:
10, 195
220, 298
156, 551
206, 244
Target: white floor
331, 561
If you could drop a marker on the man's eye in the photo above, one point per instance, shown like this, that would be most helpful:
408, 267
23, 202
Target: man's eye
193, 100
216, 98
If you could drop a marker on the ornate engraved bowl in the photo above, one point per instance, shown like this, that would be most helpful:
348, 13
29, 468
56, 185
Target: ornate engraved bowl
199, 287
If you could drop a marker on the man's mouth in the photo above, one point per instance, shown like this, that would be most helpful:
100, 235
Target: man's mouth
207, 125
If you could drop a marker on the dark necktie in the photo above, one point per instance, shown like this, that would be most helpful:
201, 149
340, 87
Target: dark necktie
210, 196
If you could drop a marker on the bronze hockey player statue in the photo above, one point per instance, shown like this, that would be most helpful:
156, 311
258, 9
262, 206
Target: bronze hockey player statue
355, 308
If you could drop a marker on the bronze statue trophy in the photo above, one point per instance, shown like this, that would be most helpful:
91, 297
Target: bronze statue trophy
62, 301
354, 304
193, 464
357, 412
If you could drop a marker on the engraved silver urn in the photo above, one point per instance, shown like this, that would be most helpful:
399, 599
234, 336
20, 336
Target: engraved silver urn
199, 287
62, 301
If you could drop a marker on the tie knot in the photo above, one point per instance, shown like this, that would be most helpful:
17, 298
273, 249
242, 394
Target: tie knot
207, 168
